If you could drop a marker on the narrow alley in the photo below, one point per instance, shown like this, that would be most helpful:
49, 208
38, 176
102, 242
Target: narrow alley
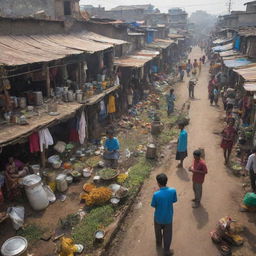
222, 191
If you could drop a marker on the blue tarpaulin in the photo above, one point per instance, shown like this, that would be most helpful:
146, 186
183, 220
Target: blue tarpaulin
237, 43
237, 62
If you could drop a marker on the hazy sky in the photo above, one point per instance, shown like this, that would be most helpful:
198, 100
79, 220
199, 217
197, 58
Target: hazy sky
211, 6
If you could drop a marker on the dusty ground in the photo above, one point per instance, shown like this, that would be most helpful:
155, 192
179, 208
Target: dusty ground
221, 196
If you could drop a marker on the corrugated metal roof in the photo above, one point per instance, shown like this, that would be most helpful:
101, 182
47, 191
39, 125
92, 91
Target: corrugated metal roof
249, 31
160, 44
248, 73
138, 59
20, 50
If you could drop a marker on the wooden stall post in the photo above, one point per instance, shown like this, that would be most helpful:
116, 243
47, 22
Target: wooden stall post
48, 81
43, 158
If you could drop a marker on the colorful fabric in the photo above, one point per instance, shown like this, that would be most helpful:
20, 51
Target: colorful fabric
163, 201
34, 143
111, 104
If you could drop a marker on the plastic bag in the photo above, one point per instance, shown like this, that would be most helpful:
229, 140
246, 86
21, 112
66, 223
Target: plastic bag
250, 199
17, 216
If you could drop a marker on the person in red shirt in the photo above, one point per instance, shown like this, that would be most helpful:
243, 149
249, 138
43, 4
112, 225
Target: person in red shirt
199, 169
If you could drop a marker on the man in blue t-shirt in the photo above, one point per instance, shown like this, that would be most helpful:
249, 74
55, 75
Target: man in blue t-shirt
162, 201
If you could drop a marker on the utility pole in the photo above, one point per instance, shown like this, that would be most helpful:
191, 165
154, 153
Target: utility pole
229, 6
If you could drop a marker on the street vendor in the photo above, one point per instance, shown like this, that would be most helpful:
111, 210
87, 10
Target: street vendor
14, 171
112, 147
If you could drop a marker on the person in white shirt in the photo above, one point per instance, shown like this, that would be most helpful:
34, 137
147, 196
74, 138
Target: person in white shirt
251, 168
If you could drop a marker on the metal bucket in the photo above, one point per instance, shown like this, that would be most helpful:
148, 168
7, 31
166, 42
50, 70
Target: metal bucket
151, 151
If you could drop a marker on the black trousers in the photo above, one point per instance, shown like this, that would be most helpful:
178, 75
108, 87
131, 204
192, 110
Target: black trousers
253, 179
163, 233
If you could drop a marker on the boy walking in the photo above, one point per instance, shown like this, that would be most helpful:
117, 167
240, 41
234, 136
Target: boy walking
199, 170
162, 201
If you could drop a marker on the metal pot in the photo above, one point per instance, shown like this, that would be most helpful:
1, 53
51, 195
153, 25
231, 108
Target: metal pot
15, 246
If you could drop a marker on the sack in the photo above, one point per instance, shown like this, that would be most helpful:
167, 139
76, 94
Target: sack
17, 216
250, 199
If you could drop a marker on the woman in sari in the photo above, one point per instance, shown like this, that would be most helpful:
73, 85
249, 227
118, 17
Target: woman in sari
15, 170
229, 135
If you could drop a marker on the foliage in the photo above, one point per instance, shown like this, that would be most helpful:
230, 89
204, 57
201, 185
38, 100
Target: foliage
31, 232
137, 174
70, 221
97, 218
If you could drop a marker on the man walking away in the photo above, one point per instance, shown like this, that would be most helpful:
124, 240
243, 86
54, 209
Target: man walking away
162, 201
199, 171
251, 168
182, 145
191, 88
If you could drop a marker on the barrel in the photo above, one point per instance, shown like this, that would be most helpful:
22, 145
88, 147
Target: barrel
151, 151
35, 192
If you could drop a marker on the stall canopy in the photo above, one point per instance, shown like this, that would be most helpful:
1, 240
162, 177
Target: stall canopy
20, 50
250, 87
221, 41
248, 72
237, 62
222, 48
229, 53
137, 60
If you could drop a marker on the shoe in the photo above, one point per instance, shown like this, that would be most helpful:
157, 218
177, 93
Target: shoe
169, 253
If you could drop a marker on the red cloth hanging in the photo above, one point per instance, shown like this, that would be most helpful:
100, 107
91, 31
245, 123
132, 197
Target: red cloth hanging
34, 143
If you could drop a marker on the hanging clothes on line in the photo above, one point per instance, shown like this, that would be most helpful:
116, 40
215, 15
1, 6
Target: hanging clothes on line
34, 142
103, 111
82, 131
111, 104
45, 139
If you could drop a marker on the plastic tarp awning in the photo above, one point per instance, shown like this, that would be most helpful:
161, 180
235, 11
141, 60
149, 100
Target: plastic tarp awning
221, 41
248, 72
250, 87
222, 48
229, 53
239, 62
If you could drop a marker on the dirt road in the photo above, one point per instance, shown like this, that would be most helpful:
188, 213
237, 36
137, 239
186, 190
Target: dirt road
222, 192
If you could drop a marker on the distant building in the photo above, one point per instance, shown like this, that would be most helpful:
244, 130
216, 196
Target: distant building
43, 9
238, 19
250, 6
128, 13
178, 18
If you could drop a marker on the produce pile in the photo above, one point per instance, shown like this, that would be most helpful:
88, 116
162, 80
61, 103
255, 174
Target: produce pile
107, 174
97, 196
121, 178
